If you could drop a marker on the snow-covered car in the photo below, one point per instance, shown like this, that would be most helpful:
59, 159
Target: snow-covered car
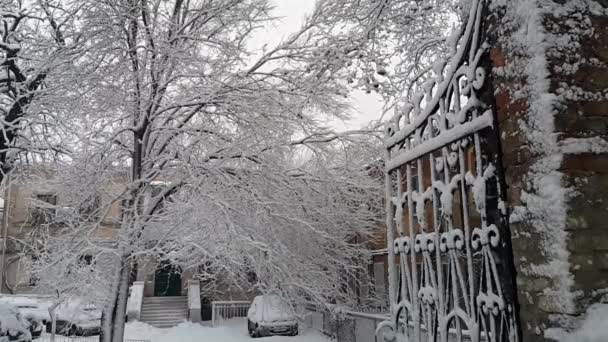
13, 327
76, 319
271, 315
37, 315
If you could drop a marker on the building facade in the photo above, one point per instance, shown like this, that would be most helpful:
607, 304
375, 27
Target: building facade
32, 205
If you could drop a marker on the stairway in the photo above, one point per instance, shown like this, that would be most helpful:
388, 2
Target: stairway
164, 312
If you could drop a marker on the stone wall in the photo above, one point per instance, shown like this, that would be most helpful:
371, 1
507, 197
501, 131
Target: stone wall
550, 75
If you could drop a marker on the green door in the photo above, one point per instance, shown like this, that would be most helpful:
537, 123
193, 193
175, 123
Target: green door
167, 280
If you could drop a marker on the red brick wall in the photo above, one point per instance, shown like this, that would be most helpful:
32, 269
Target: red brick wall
580, 112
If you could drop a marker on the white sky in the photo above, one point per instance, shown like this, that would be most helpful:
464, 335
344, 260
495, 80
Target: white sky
366, 107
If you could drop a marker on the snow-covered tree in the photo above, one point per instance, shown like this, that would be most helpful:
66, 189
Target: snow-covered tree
294, 230
385, 46
38, 44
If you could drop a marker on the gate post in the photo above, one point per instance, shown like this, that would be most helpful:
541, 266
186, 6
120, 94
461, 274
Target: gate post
550, 75
194, 300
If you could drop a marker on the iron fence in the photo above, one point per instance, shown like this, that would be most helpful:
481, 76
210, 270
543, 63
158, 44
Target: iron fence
228, 309
350, 326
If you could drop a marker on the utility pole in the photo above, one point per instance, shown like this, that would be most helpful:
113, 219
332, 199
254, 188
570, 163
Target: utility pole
7, 194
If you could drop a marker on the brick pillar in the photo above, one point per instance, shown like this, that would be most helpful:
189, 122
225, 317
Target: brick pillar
583, 124
550, 75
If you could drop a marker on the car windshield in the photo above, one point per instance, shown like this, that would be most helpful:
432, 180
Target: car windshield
274, 309
276, 302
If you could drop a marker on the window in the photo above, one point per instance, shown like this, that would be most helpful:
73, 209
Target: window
25, 272
379, 279
250, 273
85, 260
124, 206
159, 196
156, 194
34, 279
252, 277
44, 211
133, 273
47, 198
89, 209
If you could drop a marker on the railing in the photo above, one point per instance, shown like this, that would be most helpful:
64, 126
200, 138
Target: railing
228, 309
355, 326
349, 326
380, 307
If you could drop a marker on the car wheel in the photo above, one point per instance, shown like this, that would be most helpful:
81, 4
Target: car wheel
61, 329
294, 330
18, 337
249, 330
12, 335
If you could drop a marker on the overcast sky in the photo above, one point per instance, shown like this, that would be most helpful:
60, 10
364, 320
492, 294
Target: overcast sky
365, 107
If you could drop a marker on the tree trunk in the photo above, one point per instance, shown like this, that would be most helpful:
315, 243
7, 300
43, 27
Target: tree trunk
113, 316
121, 302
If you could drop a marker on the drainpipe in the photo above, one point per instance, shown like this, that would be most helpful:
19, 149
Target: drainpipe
7, 193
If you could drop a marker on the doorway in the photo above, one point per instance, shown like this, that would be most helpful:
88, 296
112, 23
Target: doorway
167, 280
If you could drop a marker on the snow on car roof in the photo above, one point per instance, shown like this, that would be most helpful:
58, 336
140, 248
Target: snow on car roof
272, 308
10, 320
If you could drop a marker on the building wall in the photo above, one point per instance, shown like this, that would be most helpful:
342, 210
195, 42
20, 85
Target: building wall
21, 202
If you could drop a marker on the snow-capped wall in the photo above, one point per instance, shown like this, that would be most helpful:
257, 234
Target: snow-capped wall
135, 301
542, 51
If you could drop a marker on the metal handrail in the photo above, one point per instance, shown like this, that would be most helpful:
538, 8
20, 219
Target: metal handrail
228, 309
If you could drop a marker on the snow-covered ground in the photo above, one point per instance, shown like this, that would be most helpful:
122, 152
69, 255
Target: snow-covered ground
593, 328
234, 330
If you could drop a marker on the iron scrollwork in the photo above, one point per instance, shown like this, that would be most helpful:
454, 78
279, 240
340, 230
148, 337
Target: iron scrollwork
445, 208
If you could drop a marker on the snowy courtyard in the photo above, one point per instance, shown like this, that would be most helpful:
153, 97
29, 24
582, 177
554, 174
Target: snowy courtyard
329, 170
231, 331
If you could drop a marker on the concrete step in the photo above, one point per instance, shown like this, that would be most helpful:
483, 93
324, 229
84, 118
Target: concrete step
165, 304
164, 319
145, 302
166, 299
172, 308
163, 307
163, 315
167, 310
165, 324
164, 312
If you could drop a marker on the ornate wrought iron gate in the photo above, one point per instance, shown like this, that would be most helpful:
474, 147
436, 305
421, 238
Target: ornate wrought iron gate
450, 269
